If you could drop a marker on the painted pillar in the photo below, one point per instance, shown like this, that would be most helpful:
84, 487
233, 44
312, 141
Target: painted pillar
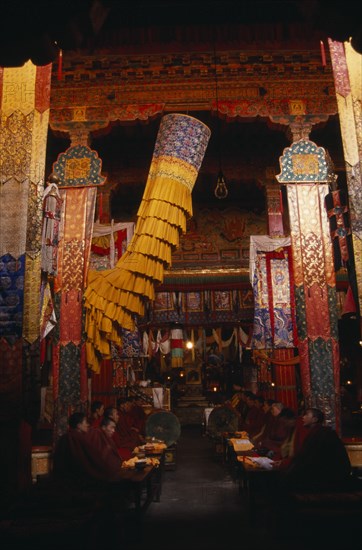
306, 170
78, 171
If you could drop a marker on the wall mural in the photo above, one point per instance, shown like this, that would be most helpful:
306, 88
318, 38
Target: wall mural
217, 237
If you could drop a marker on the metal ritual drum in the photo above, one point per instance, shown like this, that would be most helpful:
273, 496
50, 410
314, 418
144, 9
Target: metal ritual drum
163, 425
222, 419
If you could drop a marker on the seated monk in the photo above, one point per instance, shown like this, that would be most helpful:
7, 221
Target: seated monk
267, 423
237, 403
85, 457
69, 450
254, 419
292, 444
322, 462
272, 441
123, 451
129, 434
138, 416
97, 410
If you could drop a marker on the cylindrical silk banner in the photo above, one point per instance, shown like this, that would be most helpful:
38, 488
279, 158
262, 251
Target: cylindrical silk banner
115, 297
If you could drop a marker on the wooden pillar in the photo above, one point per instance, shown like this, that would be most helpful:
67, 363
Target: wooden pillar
306, 170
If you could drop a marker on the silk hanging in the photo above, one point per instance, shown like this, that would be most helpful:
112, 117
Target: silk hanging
347, 73
114, 298
307, 171
274, 309
317, 314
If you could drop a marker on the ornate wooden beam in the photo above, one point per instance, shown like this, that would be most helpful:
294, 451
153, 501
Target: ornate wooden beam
99, 89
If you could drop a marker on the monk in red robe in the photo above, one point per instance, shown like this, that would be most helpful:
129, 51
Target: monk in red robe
138, 416
97, 411
84, 457
129, 434
255, 415
123, 451
322, 462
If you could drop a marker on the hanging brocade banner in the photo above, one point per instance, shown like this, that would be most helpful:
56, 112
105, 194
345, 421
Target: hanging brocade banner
78, 201
115, 298
337, 210
274, 309
177, 348
347, 73
285, 378
24, 119
24, 109
52, 206
307, 171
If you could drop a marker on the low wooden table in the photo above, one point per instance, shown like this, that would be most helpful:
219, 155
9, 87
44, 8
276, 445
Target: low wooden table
158, 471
254, 481
144, 487
41, 461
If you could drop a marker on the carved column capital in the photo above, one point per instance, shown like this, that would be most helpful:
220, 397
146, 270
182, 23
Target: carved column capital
79, 133
300, 128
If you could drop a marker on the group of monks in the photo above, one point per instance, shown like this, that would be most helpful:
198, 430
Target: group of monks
94, 448
308, 453
274, 429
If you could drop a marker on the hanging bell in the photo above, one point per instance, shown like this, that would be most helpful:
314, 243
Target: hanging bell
221, 191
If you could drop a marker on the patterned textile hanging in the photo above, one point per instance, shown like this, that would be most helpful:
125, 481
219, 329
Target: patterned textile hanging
74, 250
272, 279
131, 343
347, 73
52, 205
47, 314
24, 119
114, 298
337, 210
109, 242
78, 172
307, 172
177, 348
285, 379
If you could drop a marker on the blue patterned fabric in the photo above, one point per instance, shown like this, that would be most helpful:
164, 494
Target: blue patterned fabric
183, 137
131, 343
11, 295
321, 359
69, 380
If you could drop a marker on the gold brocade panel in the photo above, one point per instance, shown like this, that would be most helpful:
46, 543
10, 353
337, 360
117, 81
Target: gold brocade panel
310, 236
31, 317
24, 111
315, 296
74, 250
347, 73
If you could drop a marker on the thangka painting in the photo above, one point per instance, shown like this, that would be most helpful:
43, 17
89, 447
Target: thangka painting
222, 300
200, 307
274, 311
164, 301
192, 301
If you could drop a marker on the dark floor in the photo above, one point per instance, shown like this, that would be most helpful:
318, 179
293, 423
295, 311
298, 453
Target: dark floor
202, 508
